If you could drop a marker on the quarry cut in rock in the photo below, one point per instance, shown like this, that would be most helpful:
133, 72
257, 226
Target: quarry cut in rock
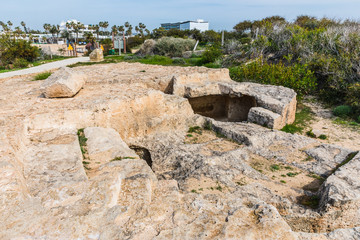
63, 83
130, 157
270, 106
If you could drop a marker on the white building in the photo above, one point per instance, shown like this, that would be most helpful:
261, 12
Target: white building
187, 25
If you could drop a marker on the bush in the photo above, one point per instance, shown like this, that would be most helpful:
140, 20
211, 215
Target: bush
342, 111
173, 47
147, 48
20, 63
12, 50
211, 54
358, 119
297, 76
179, 61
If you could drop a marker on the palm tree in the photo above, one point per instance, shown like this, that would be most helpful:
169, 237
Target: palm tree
96, 28
47, 27
105, 25
114, 29
129, 30
121, 29
24, 26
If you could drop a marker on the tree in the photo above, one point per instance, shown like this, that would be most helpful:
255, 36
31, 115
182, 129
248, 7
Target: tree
97, 28
47, 27
121, 29
159, 32
114, 30
105, 25
23, 24
129, 30
243, 26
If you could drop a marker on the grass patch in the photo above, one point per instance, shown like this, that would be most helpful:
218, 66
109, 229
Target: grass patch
282, 181
347, 122
42, 76
292, 174
195, 129
303, 117
274, 167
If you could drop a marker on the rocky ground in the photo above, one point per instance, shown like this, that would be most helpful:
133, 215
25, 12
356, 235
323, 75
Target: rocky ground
128, 158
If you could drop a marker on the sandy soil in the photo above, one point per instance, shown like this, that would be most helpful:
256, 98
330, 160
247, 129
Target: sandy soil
345, 136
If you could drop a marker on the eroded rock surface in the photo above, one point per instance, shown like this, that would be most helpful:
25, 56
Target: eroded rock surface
63, 83
145, 166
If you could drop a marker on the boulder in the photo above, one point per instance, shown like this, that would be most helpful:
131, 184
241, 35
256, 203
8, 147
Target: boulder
63, 83
96, 55
105, 144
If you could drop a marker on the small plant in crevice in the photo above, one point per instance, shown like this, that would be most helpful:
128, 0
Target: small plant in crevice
323, 137
120, 158
347, 160
208, 126
282, 181
195, 129
82, 141
292, 174
274, 167
310, 134
83, 147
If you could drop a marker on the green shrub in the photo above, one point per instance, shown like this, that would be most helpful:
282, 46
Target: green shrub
297, 77
173, 47
358, 119
42, 76
342, 111
211, 54
310, 134
11, 50
179, 61
323, 137
20, 63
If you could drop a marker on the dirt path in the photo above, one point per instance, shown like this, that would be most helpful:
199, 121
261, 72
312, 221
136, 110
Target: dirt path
44, 67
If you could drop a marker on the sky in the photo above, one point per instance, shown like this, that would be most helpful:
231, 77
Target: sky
221, 14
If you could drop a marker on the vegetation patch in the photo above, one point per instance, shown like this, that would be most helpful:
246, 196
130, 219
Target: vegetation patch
120, 158
303, 117
42, 76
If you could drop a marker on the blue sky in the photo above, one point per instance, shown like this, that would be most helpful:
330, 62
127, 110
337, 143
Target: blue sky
222, 14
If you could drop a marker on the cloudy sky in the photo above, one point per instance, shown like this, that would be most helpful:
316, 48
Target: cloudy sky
222, 14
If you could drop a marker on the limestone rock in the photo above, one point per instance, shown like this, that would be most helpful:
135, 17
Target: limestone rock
63, 83
96, 55
327, 157
341, 196
264, 117
105, 144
